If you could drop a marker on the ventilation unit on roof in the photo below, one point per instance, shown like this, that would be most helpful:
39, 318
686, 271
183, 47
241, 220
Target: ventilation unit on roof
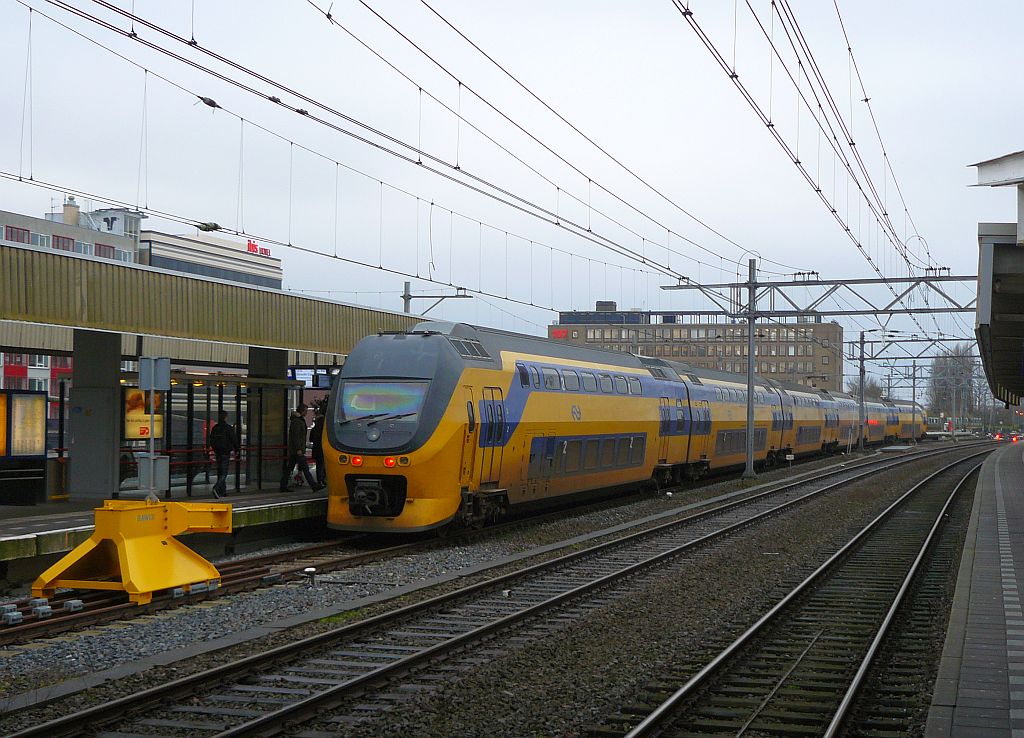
469, 348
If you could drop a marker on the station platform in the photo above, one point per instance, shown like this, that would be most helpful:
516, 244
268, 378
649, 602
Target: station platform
31, 538
979, 691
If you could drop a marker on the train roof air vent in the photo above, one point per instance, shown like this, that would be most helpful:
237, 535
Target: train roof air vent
469, 348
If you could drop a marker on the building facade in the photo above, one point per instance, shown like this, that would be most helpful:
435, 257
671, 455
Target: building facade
116, 234
203, 255
806, 352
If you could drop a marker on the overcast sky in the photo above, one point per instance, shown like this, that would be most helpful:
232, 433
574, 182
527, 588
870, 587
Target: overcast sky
632, 76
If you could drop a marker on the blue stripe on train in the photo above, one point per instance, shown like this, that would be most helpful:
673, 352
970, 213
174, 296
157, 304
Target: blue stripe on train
673, 419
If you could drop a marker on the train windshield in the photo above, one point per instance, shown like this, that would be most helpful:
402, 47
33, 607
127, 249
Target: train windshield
380, 399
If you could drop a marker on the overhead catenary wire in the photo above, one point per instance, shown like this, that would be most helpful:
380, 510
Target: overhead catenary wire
494, 107
518, 204
800, 46
748, 97
874, 122
199, 224
476, 184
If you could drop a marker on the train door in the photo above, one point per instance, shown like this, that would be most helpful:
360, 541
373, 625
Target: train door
538, 463
700, 429
469, 438
492, 436
664, 428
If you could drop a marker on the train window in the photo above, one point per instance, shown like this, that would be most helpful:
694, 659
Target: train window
572, 456
589, 382
606, 382
620, 384
608, 453
499, 422
634, 386
472, 416
551, 379
524, 375
489, 425
622, 451
571, 379
718, 393
636, 454
590, 453
536, 376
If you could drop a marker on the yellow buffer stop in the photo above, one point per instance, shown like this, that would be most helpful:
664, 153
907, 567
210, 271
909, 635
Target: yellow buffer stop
133, 549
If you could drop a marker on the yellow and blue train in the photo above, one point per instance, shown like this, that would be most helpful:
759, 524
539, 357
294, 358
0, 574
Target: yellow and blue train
451, 423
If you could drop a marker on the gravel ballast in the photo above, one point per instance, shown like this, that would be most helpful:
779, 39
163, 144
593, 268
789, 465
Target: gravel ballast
57, 660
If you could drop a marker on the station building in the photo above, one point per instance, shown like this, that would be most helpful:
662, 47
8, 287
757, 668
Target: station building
116, 234
255, 384
807, 351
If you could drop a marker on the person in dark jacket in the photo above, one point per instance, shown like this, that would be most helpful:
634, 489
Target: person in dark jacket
222, 440
317, 436
296, 450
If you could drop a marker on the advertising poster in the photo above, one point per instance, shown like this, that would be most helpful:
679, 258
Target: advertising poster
3, 424
137, 409
28, 425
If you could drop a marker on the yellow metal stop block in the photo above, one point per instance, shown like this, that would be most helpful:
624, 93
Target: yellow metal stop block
133, 549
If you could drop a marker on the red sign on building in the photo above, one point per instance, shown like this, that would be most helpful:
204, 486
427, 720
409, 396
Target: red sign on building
254, 248
559, 332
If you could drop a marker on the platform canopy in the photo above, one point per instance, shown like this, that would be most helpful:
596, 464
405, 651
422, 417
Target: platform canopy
1000, 318
48, 288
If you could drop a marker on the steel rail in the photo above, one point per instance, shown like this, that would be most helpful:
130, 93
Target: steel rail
662, 714
77, 722
108, 607
858, 680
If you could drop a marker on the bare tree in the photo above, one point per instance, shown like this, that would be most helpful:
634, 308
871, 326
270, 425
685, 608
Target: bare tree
954, 382
872, 388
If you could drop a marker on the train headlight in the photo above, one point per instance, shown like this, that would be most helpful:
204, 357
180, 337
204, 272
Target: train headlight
373, 434
343, 459
403, 461
357, 460
389, 461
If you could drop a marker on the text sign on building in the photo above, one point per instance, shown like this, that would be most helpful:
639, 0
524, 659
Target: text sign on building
254, 248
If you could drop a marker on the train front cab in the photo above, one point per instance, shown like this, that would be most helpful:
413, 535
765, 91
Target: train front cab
396, 424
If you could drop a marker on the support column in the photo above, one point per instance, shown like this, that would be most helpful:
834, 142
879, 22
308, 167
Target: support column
95, 419
269, 420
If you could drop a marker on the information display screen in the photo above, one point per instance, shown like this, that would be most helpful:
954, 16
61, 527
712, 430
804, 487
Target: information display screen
137, 408
28, 425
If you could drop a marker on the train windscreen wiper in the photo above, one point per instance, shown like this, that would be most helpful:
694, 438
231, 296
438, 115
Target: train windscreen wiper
361, 417
384, 416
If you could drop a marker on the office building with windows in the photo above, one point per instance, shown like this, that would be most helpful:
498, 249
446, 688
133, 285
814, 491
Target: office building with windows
116, 234
204, 255
106, 234
807, 351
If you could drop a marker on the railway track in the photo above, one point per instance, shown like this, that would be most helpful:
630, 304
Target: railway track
799, 669
71, 610
371, 665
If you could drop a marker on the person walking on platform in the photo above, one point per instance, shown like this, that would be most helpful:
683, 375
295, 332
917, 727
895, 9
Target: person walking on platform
222, 441
317, 435
296, 450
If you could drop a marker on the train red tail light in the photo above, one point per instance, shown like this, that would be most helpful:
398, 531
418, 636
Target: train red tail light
356, 460
389, 461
